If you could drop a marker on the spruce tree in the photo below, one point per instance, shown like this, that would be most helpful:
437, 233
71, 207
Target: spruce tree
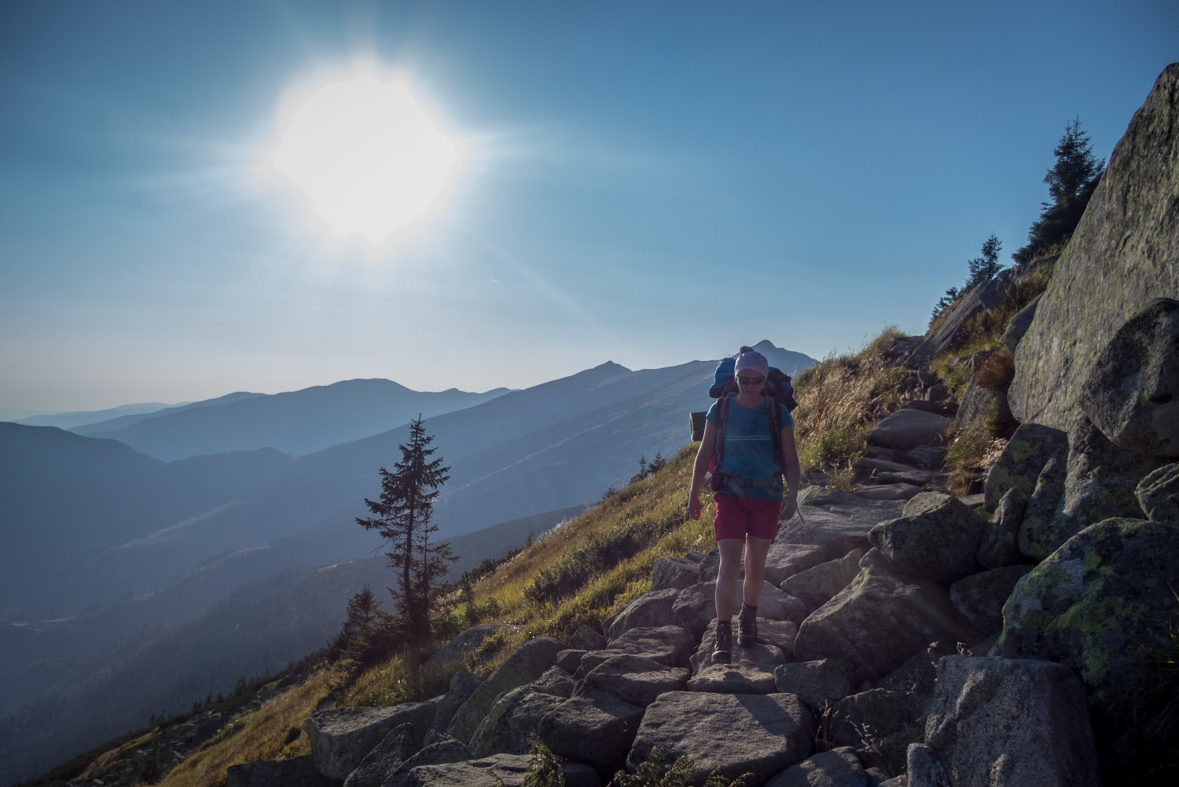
1071, 183
403, 518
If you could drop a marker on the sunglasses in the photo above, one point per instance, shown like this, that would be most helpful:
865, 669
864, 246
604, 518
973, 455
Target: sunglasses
751, 380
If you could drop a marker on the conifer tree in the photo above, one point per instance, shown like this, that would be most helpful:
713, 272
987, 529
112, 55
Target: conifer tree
1071, 183
403, 518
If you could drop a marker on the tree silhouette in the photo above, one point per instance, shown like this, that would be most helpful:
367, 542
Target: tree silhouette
403, 518
1071, 183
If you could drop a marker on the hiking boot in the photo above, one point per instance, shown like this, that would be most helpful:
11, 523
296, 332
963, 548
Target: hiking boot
722, 652
747, 626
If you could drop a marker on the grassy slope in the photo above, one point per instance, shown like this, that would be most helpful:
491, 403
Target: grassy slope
625, 535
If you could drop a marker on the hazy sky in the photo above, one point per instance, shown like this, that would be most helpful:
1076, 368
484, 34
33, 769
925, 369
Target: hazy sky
642, 182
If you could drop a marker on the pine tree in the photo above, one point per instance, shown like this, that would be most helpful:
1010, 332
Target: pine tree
1071, 183
657, 464
403, 518
984, 267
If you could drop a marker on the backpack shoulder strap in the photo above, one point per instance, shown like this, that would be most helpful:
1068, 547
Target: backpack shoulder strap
775, 416
722, 422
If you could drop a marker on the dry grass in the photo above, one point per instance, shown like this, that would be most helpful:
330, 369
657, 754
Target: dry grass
273, 733
835, 403
997, 371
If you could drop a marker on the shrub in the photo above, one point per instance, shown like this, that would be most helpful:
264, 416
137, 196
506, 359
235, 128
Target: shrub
997, 371
651, 773
835, 402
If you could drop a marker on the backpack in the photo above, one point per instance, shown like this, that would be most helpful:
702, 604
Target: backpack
778, 391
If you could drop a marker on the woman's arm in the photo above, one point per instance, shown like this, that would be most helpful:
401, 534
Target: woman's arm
703, 457
793, 472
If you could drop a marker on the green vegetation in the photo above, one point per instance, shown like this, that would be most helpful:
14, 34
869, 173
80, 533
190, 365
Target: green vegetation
981, 269
653, 773
403, 519
840, 399
542, 589
1071, 183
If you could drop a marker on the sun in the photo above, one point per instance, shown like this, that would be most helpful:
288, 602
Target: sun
366, 155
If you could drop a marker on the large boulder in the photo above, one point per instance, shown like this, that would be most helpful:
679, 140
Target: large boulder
879, 621
838, 528
907, 429
444, 752
397, 747
694, 607
1019, 325
527, 664
817, 683
877, 725
1158, 494
512, 721
750, 671
936, 537
668, 645
500, 770
462, 686
585, 638
1000, 721
835, 768
674, 572
786, 560
297, 772
983, 407
980, 597
760, 734
775, 604
1022, 460
1099, 485
341, 738
1132, 394
914, 682
649, 609
633, 679
1000, 541
1122, 255
595, 729
463, 644
1094, 601
816, 586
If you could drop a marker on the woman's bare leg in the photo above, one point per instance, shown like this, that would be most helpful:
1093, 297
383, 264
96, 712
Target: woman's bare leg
756, 550
726, 580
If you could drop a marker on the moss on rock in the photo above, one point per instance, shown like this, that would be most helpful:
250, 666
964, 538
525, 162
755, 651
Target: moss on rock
1096, 602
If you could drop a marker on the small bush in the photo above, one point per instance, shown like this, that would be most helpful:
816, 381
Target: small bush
544, 769
997, 371
652, 773
836, 399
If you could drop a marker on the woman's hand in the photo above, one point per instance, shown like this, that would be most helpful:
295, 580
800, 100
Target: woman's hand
789, 508
694, 506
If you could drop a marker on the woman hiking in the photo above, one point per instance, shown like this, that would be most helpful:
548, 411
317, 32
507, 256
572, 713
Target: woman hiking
750, 499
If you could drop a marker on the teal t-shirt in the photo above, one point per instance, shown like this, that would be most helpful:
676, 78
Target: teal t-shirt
749, 448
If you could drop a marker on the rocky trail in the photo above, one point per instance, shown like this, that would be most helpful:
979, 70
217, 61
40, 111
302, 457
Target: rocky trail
907, 637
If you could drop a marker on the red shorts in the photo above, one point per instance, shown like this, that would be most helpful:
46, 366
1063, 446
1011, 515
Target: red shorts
736, 517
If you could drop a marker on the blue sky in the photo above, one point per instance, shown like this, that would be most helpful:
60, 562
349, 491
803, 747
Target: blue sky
647, 183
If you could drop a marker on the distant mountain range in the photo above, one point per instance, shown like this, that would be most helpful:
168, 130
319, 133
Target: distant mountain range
89, 519
120, 544
296, 423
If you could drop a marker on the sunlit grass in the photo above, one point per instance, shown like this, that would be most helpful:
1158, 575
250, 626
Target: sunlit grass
836, 403
275, 732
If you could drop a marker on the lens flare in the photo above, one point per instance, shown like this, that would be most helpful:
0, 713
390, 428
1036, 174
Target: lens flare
366, 155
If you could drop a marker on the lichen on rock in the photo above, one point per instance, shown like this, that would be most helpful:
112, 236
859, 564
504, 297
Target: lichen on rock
1095, 602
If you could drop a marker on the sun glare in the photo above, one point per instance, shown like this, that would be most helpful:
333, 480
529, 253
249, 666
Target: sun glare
366, 155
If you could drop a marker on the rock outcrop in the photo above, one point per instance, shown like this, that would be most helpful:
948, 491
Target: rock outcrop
1089, 603
1128, 240
999, 721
